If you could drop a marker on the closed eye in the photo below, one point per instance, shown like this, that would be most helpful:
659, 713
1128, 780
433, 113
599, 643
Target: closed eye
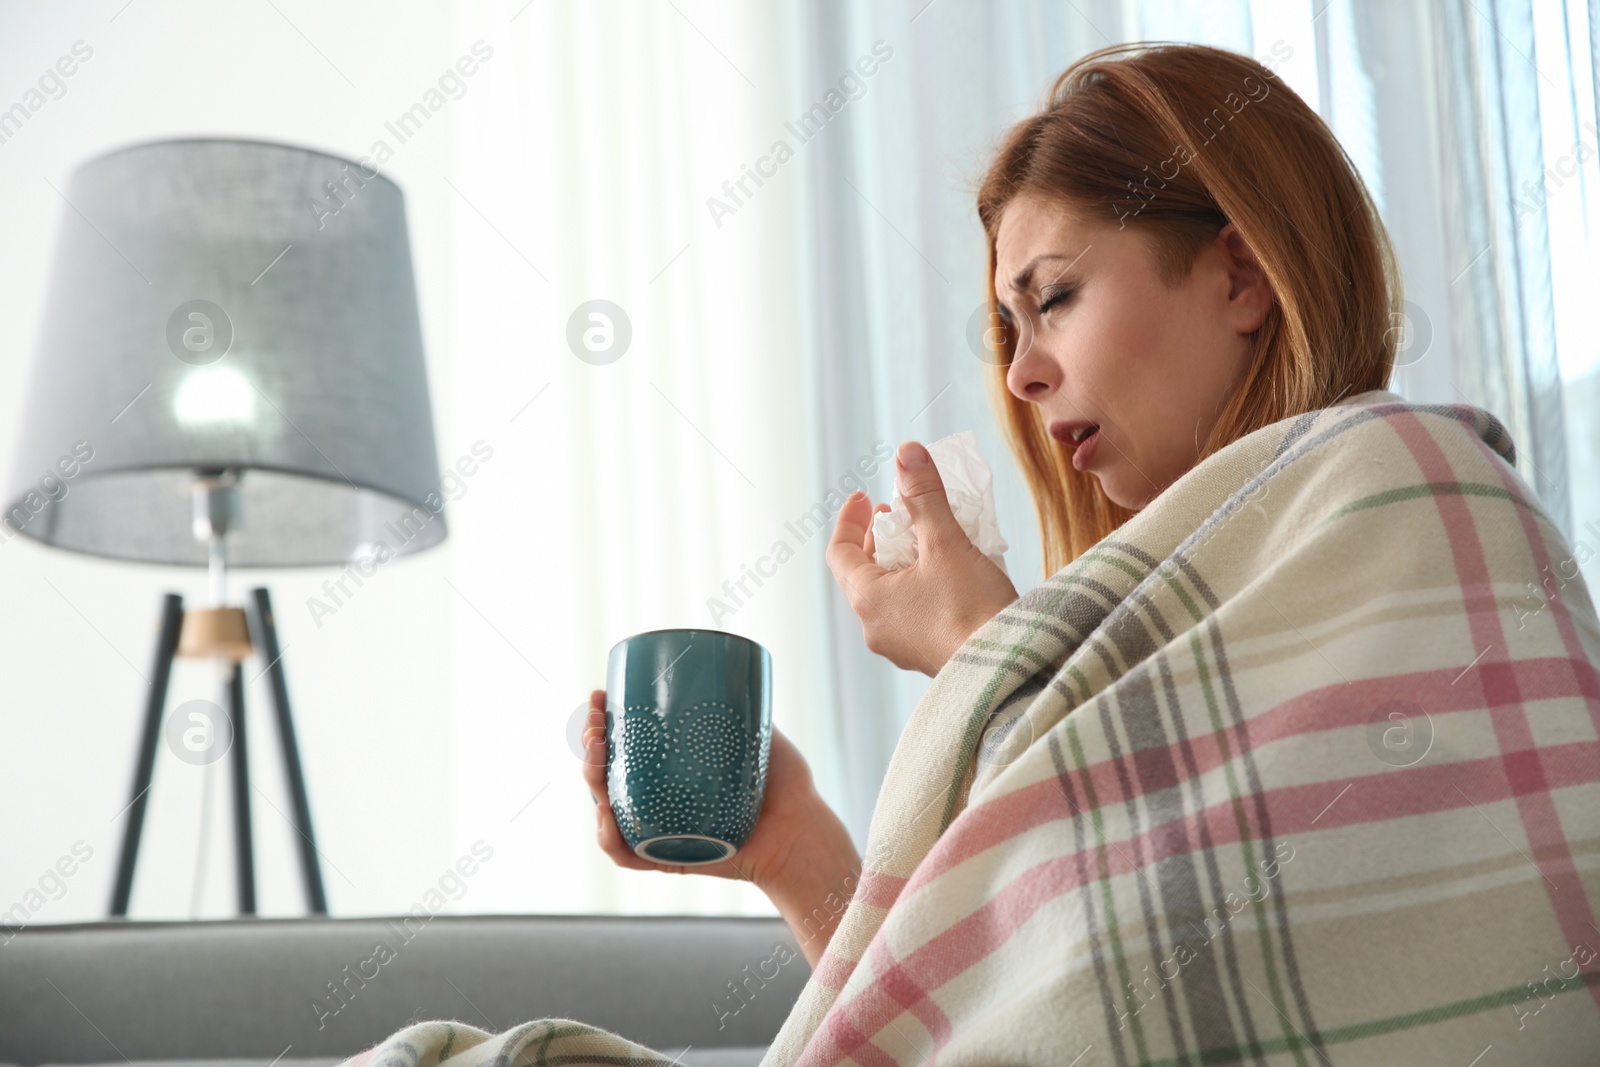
1055, 298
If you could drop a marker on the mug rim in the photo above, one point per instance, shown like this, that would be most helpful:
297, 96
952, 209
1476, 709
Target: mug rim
692, 630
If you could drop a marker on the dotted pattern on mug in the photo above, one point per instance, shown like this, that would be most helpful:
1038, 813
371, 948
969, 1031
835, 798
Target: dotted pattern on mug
709, 736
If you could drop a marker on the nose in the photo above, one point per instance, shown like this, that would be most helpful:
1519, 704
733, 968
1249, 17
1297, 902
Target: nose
1033, 374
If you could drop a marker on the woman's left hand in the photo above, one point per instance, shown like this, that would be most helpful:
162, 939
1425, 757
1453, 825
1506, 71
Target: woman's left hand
917, 616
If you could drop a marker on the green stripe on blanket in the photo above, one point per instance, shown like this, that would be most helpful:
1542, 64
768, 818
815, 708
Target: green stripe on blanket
1299, 766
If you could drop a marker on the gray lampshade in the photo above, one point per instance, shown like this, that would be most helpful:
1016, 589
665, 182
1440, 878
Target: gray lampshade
229, 304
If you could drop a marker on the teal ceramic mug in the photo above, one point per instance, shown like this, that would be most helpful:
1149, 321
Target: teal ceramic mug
686, 763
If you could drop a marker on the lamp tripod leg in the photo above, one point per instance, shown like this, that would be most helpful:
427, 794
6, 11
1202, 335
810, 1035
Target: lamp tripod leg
243, 840
144, 769
266, 639
172, 621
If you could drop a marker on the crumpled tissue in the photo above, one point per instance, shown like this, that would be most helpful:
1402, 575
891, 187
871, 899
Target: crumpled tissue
970, 487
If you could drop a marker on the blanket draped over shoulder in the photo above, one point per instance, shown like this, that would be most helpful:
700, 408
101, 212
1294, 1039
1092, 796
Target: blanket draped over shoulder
1300, 765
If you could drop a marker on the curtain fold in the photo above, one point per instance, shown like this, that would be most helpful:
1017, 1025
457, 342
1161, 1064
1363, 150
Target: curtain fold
1501, 306
650, 460
898, 262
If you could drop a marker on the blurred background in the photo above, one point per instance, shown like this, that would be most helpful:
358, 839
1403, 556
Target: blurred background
781, 339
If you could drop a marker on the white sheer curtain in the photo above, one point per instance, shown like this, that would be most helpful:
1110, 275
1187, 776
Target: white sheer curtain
631, 489
898, 264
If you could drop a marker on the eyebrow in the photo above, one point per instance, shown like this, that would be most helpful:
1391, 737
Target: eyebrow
1025, 276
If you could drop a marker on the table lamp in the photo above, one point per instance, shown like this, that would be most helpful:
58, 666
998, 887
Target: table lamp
229, 372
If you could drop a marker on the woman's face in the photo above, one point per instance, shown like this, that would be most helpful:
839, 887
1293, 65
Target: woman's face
1101, 339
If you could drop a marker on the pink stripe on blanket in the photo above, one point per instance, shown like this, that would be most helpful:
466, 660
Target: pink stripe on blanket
943, 957
834, 971
1334, 707
835, 1039
1540, 822
898, 983
1469, 557
1341, 706
1293, 809
877, 888
972, 938
1569, 633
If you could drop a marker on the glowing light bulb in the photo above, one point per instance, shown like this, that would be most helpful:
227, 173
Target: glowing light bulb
214, 395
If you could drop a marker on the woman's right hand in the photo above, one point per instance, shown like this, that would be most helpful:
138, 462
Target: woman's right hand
794, 828
916, 617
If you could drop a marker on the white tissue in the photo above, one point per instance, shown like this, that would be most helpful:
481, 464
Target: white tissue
969, 485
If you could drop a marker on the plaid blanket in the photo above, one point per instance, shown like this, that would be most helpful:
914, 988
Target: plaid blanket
1298, 766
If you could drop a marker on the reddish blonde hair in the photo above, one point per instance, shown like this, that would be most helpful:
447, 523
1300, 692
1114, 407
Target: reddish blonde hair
1176, 140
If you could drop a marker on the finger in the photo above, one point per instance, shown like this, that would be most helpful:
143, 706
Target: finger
845, 555
594, 760
594, 745
924, 495
614, 845
607, 832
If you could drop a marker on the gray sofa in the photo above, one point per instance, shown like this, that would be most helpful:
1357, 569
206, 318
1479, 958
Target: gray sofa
309, 992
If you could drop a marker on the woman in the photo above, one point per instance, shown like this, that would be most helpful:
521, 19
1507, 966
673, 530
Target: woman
1262, 773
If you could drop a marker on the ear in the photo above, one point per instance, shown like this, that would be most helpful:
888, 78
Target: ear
1249, 295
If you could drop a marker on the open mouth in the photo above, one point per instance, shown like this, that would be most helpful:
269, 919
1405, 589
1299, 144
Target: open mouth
1074, 434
